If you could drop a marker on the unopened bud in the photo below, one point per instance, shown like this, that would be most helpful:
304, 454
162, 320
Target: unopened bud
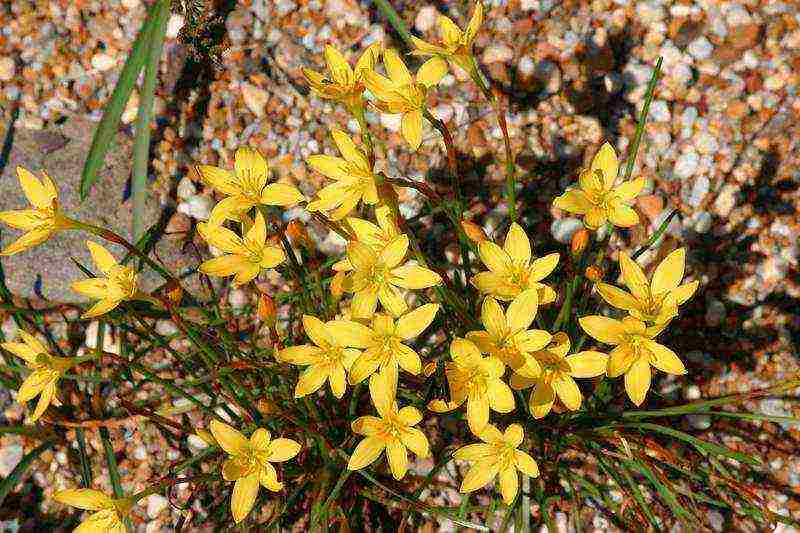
580, 239
337, 285
429, 369
297, 232
267, 312
473, 231
594, 273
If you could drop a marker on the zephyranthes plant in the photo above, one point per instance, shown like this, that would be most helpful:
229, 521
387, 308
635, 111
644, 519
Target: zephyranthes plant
354, 371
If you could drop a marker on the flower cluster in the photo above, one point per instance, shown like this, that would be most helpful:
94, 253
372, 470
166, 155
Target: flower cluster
387, 295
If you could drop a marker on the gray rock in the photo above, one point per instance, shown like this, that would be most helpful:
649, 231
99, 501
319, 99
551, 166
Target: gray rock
61, 152
700, 422
563, 228
698, 191
686, 165
715, 312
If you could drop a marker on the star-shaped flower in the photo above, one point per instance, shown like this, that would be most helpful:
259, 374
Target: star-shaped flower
118, 285
250, 463
455, 45
109, 512
343, 83
511, 269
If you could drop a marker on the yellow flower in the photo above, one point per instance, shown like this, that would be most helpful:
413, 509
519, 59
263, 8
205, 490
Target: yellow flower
383, 342
250, 463
328, 359
455, 45
553, 375
497, 456
244, 257
511, 270
109, 514
118, 286
246, 186
401, 93
42, 220
635, 351
343, 84
46, 370
597, 198
353, 175
393, 430
656, 301
375, 236
377, 276
476, 380
507, 336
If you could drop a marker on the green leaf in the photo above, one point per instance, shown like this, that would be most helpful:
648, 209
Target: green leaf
141, 143
106, 130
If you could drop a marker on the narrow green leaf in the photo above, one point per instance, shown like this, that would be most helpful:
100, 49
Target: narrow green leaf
141, 143
86, 466
111, 461
8, 483
106, 130
637, 138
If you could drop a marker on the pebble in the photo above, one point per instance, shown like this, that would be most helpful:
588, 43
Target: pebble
196, 442
9, 329
103, 62
726, 200
238, 298
174, 25
391, 122
659, 111
686, 165
197, 206
700, 422
698, 191
186, 188
112, 342
255, 98
426, 18
715, 312
716, 520
563, 228
155, 504
526, 66
131, 109
10, 455
8, 69
166, 327
692, 392
701, 48
497, 53
702, 221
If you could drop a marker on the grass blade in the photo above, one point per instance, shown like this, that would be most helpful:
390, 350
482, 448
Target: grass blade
111, 460
394, 20
637, 138
86, 466
141, 143
9, 482
104, 134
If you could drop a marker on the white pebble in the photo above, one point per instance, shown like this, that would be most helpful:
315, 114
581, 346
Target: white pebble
686, 165
196, 206
391, 121
174, 25
7, 69
255, 98
186, 188
497, 53
700, 48
155, 504
238, 298
426, 18
103, 62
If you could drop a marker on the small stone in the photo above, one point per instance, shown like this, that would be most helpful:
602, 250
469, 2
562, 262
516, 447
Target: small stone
526, 66
692, 392
716, 520
700, 422
140, 453
706, 143
563, 228
186, 188
166, 327
726, 200
497, 53
686, 165
659, 111
702, 221
443, 112
196, 442
715, 312
10, 455
9, 329
131, 108
103, 62
426, 18
548, 73
112, 342
651, 205
238, 298
177, 226
197, 207
174, 25
528, 5
698, 191
701, 48
255, 98
155, 504
7, 69
391, 121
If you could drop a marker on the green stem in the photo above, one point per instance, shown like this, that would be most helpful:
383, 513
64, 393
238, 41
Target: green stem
637, 138
394, 19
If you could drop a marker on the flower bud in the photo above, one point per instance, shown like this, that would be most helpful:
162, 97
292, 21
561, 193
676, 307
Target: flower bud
473, 231
267, 311
337, 286
297, 232
429, 369
594, 273
580, 239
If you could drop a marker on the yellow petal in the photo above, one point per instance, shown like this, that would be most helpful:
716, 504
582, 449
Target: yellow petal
587, 364
541, 400
349, 333
416, 441
637, 380
411, 128
684, 292
281, 194
46, 396
317, 331
337, 65
517, 245
513, 435
365, 453
573, 201
474, 24
415, 277
414, 322
464, 352
474, 452
34, 384
494, 257
362, 368
477, 412
348, 149
425, 48
365, 302
493, 318
367, 425
606, 161
24, 219
369, 57
102, 307
603, 329
37, 193
665, 359
361, 256
382, 391
623, 216
271, 256
91, 500
620, 360
595, 217
408, 359
634, 277
509, 484
495, 284
395, 68
234, 468
669, 273
617, 297
629, 190
398, 458
337, 378
27, 241
522, 310
221, 238
451, 33
569, 393
526, 464
541, 268
501, 398
222, 180
478, 476
394, 252
432, 71
245, 491
268, 478
260, 439
311, 380
224, 265
409, 416
392, 300
333, 167
282, 450
520, 381
228, 438
250, 167
96, 288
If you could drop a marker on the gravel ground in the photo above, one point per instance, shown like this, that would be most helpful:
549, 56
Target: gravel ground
722, 146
